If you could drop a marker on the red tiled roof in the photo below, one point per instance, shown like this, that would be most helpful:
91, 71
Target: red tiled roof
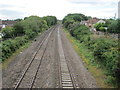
93, 20
9, 22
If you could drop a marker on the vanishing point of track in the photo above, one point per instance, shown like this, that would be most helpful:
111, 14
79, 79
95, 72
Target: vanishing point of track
66, 79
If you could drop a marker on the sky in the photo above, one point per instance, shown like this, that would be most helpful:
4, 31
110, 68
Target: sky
14, 9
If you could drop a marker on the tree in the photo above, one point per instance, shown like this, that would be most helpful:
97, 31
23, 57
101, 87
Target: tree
18, 29
72, 18
35, 23
113, 27
18, 20
82, 33
7, 33
51, 20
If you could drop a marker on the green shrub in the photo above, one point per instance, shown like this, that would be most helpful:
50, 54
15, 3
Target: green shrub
26, 29
30, 34
10, 46
82, 33
51, 20
7, 32
105, 51
111, 80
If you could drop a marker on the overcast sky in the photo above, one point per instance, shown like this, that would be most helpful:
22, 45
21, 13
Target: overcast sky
13, 9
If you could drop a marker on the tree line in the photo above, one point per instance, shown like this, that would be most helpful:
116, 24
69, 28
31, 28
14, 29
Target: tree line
22, 32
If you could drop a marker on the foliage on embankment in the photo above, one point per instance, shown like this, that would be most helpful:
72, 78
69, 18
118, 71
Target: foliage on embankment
105, 51
22, 32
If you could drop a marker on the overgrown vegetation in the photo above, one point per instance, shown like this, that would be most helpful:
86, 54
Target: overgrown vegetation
25, 30
87, 56
51, 20
72, 19
105, 51
111, 26
10, 46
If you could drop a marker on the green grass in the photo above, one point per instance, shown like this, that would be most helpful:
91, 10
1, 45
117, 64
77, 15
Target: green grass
87, 56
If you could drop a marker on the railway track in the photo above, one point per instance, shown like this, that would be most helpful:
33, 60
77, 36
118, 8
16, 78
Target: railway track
66, 75
28, 76
52, 63
67, 79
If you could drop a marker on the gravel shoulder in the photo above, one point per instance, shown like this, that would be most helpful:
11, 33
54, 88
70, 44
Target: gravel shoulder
83, 76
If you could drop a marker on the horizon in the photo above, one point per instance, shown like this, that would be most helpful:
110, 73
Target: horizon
19, 9
56, 17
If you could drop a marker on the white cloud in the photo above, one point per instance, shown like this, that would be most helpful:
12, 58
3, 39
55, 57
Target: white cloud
96, 8
58, 8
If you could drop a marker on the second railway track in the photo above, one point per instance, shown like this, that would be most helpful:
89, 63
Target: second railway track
26, 80
51, 65
67, 79
29, 75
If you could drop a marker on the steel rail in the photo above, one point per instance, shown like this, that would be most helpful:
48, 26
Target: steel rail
40, 44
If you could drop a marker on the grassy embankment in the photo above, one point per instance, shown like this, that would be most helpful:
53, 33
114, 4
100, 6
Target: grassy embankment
86, 55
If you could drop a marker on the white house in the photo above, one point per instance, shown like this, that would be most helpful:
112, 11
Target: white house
101, 21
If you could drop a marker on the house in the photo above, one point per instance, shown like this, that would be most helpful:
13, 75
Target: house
4, 23
9, 23
91, 22
83, 22
101, 21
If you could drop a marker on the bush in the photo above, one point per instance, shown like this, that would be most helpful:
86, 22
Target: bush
27, 29
71, 18
82, 33
100, 27
105, 51
51, 20
107, 55
10, 46
113, 27
18, 29
7, 32
111, 80
30, 34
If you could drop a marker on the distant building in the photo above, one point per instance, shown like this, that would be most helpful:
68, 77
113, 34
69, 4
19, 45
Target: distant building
9, 23
91, 22
83, 22
5, 23
101, 21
